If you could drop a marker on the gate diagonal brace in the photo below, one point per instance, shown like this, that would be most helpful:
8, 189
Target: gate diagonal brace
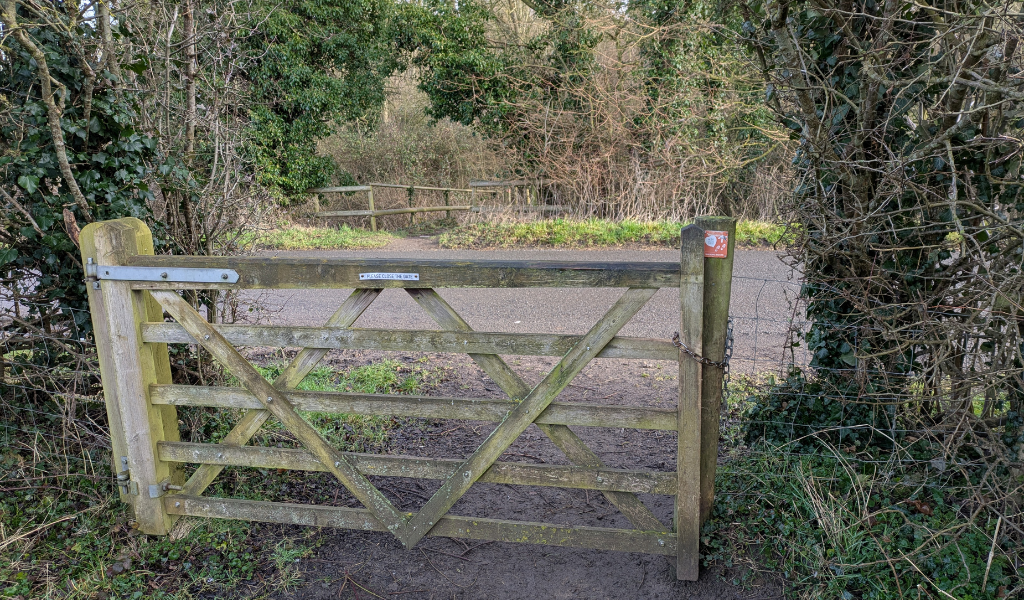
277, 403
304, 362
513, 385
525, 413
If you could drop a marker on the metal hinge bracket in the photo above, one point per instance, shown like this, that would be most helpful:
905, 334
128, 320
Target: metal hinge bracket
169, 274
124, 481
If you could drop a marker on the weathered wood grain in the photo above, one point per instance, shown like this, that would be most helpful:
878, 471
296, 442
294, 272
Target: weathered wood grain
717, 293
307, 358
473, 409
282, 409
688, 452
323, 273
599, 538
645, 482
526, 412
412, 340
128, 367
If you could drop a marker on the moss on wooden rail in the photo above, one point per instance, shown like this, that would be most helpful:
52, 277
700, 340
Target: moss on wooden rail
643, 482
473, 409
598, 538
413, 340
326, 273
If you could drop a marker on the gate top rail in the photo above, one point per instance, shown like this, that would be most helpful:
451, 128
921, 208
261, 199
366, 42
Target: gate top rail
311, 273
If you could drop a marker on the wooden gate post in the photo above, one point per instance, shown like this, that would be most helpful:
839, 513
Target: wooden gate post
128, 367
717, 291
689, 451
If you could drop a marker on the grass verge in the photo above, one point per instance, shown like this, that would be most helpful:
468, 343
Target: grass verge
299, 237
596, 232
836, 522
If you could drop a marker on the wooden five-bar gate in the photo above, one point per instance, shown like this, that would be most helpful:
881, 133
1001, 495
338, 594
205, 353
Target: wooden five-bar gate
130, 289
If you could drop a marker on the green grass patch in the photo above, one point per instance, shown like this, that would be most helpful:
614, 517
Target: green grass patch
348, 433
298, 237
565, 233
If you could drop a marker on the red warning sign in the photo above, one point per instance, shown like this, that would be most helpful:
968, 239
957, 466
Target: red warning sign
716, 244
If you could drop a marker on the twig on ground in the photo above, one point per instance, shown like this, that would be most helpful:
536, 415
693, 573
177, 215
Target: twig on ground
991, 552
470, 549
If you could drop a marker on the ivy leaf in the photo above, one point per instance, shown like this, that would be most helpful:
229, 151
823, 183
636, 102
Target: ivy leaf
849, 358
29, 182
7, 255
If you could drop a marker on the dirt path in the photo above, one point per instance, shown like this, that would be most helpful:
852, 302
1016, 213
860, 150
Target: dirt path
352, 564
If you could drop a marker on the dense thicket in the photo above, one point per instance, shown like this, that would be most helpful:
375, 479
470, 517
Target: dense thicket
643, 109
197, 116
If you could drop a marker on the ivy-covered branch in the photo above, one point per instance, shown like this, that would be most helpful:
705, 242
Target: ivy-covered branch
54, 107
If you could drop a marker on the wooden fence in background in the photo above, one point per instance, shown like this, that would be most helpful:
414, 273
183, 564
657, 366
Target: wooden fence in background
475, 188
130, 289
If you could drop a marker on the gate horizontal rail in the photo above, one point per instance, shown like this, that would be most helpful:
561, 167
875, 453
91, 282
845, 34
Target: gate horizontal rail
132, 338
428, 407
472, 528
412, 340
615, 480
333, 273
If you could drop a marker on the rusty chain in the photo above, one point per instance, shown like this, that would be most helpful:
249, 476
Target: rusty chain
702, 360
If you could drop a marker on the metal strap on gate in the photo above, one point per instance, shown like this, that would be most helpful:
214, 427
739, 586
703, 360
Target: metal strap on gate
173, 274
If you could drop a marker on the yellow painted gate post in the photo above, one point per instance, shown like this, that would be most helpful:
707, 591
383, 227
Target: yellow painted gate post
128, 367
718, 261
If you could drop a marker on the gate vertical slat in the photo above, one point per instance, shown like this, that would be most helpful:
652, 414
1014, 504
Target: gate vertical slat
688, 452
130, 366
717, 292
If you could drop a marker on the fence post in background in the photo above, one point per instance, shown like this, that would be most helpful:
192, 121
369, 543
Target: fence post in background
127, 368
412, 216
373, 219
447, 202
717, 291
689, 451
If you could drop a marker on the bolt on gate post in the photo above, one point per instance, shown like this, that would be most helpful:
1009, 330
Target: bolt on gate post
128, 367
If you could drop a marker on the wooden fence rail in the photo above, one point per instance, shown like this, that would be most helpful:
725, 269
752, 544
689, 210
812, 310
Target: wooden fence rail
130, 290
475, 187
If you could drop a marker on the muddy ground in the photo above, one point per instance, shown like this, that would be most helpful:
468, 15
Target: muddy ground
353, 564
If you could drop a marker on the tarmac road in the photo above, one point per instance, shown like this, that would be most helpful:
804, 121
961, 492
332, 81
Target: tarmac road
763, 299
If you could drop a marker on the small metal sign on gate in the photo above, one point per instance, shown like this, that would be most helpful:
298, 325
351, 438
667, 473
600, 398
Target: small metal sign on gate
389, 276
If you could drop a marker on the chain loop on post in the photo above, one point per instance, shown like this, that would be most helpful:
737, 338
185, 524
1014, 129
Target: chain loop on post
728, 357
704, 361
